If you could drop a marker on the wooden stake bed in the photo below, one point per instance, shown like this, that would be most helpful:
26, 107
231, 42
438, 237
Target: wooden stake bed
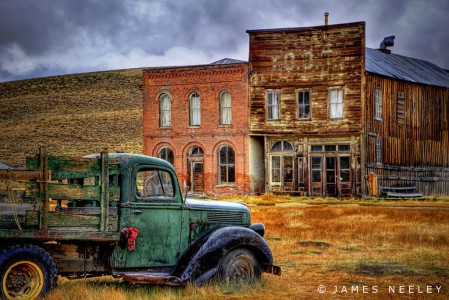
61, 198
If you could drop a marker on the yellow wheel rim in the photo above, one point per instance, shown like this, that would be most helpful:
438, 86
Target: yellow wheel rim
23, 280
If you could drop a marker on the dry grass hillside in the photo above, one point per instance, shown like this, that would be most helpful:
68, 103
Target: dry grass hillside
71, 115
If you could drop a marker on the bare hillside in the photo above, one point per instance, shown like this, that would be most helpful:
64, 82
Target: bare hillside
71, 115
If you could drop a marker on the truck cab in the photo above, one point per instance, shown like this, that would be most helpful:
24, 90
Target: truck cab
124, 215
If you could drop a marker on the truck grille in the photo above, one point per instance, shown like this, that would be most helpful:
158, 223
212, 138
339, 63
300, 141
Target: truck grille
225, 217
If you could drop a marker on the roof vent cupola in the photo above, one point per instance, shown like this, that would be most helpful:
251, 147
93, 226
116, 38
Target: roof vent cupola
387, 42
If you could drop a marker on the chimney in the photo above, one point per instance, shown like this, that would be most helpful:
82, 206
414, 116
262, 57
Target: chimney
326, 18
387, 42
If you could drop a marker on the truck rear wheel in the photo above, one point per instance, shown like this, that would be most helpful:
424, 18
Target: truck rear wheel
26, 272
239, 267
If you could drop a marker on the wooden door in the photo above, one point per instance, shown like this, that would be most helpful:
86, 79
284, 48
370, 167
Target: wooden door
198, 177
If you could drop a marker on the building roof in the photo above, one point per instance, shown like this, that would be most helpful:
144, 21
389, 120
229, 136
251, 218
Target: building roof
4, 166
405, 68
228, 61
296, 29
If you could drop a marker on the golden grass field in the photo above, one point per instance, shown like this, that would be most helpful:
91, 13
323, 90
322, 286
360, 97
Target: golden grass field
358, 249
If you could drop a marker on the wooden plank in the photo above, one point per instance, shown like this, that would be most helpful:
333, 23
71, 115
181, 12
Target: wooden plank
403, 195
70, 168
14, 174
60, 191
70, 234
57, 220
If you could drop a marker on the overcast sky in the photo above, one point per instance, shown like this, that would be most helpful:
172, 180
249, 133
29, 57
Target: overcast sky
54, 37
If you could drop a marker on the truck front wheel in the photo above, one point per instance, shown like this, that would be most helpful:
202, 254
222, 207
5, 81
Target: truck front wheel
26, 272
239, 267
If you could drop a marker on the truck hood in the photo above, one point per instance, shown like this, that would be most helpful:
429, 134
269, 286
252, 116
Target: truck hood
215, 205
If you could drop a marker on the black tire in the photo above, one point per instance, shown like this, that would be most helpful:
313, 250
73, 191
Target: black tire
239, 267
26, 272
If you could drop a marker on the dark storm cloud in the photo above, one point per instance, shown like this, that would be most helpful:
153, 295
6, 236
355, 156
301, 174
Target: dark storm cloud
47, 37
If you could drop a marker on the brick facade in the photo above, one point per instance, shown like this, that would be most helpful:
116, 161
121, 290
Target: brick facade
200, 173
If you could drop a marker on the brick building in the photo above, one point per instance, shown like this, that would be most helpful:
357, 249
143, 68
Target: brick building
196, 117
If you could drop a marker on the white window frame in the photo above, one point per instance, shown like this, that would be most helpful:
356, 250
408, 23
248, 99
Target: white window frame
336, 103
195, 109
378, 104
225, 108
273, 105
164, 111
303, 106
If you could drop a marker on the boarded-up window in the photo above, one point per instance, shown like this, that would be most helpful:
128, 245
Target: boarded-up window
303, 105
336, 103
225, 109
273, 105
378, 104
400, 108
195, 110
164, 111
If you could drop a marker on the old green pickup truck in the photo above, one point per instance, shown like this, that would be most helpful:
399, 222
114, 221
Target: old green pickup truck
119, 214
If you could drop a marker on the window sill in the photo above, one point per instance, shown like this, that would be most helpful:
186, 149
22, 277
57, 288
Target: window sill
228, 185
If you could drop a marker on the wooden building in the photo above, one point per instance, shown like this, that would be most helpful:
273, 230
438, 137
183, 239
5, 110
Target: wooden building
406, 134
196, 117
306, 109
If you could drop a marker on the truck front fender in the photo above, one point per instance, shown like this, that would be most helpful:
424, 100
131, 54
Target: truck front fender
200, 262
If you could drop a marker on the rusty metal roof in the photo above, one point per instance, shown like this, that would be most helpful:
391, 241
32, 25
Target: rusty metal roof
405, 68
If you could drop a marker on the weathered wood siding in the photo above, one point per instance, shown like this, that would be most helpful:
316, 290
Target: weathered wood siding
316, 59
414, 132
417, 137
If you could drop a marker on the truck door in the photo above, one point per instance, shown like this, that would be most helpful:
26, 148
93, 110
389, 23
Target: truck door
156, 211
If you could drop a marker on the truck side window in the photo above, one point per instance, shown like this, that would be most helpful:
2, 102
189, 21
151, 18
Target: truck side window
154, 184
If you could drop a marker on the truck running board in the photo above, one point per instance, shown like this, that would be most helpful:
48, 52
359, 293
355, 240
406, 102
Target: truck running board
156, 279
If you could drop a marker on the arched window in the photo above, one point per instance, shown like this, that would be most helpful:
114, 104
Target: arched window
196, 151
225, 109
282, 146
226, 165
167, 154
164, 111
195, 110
